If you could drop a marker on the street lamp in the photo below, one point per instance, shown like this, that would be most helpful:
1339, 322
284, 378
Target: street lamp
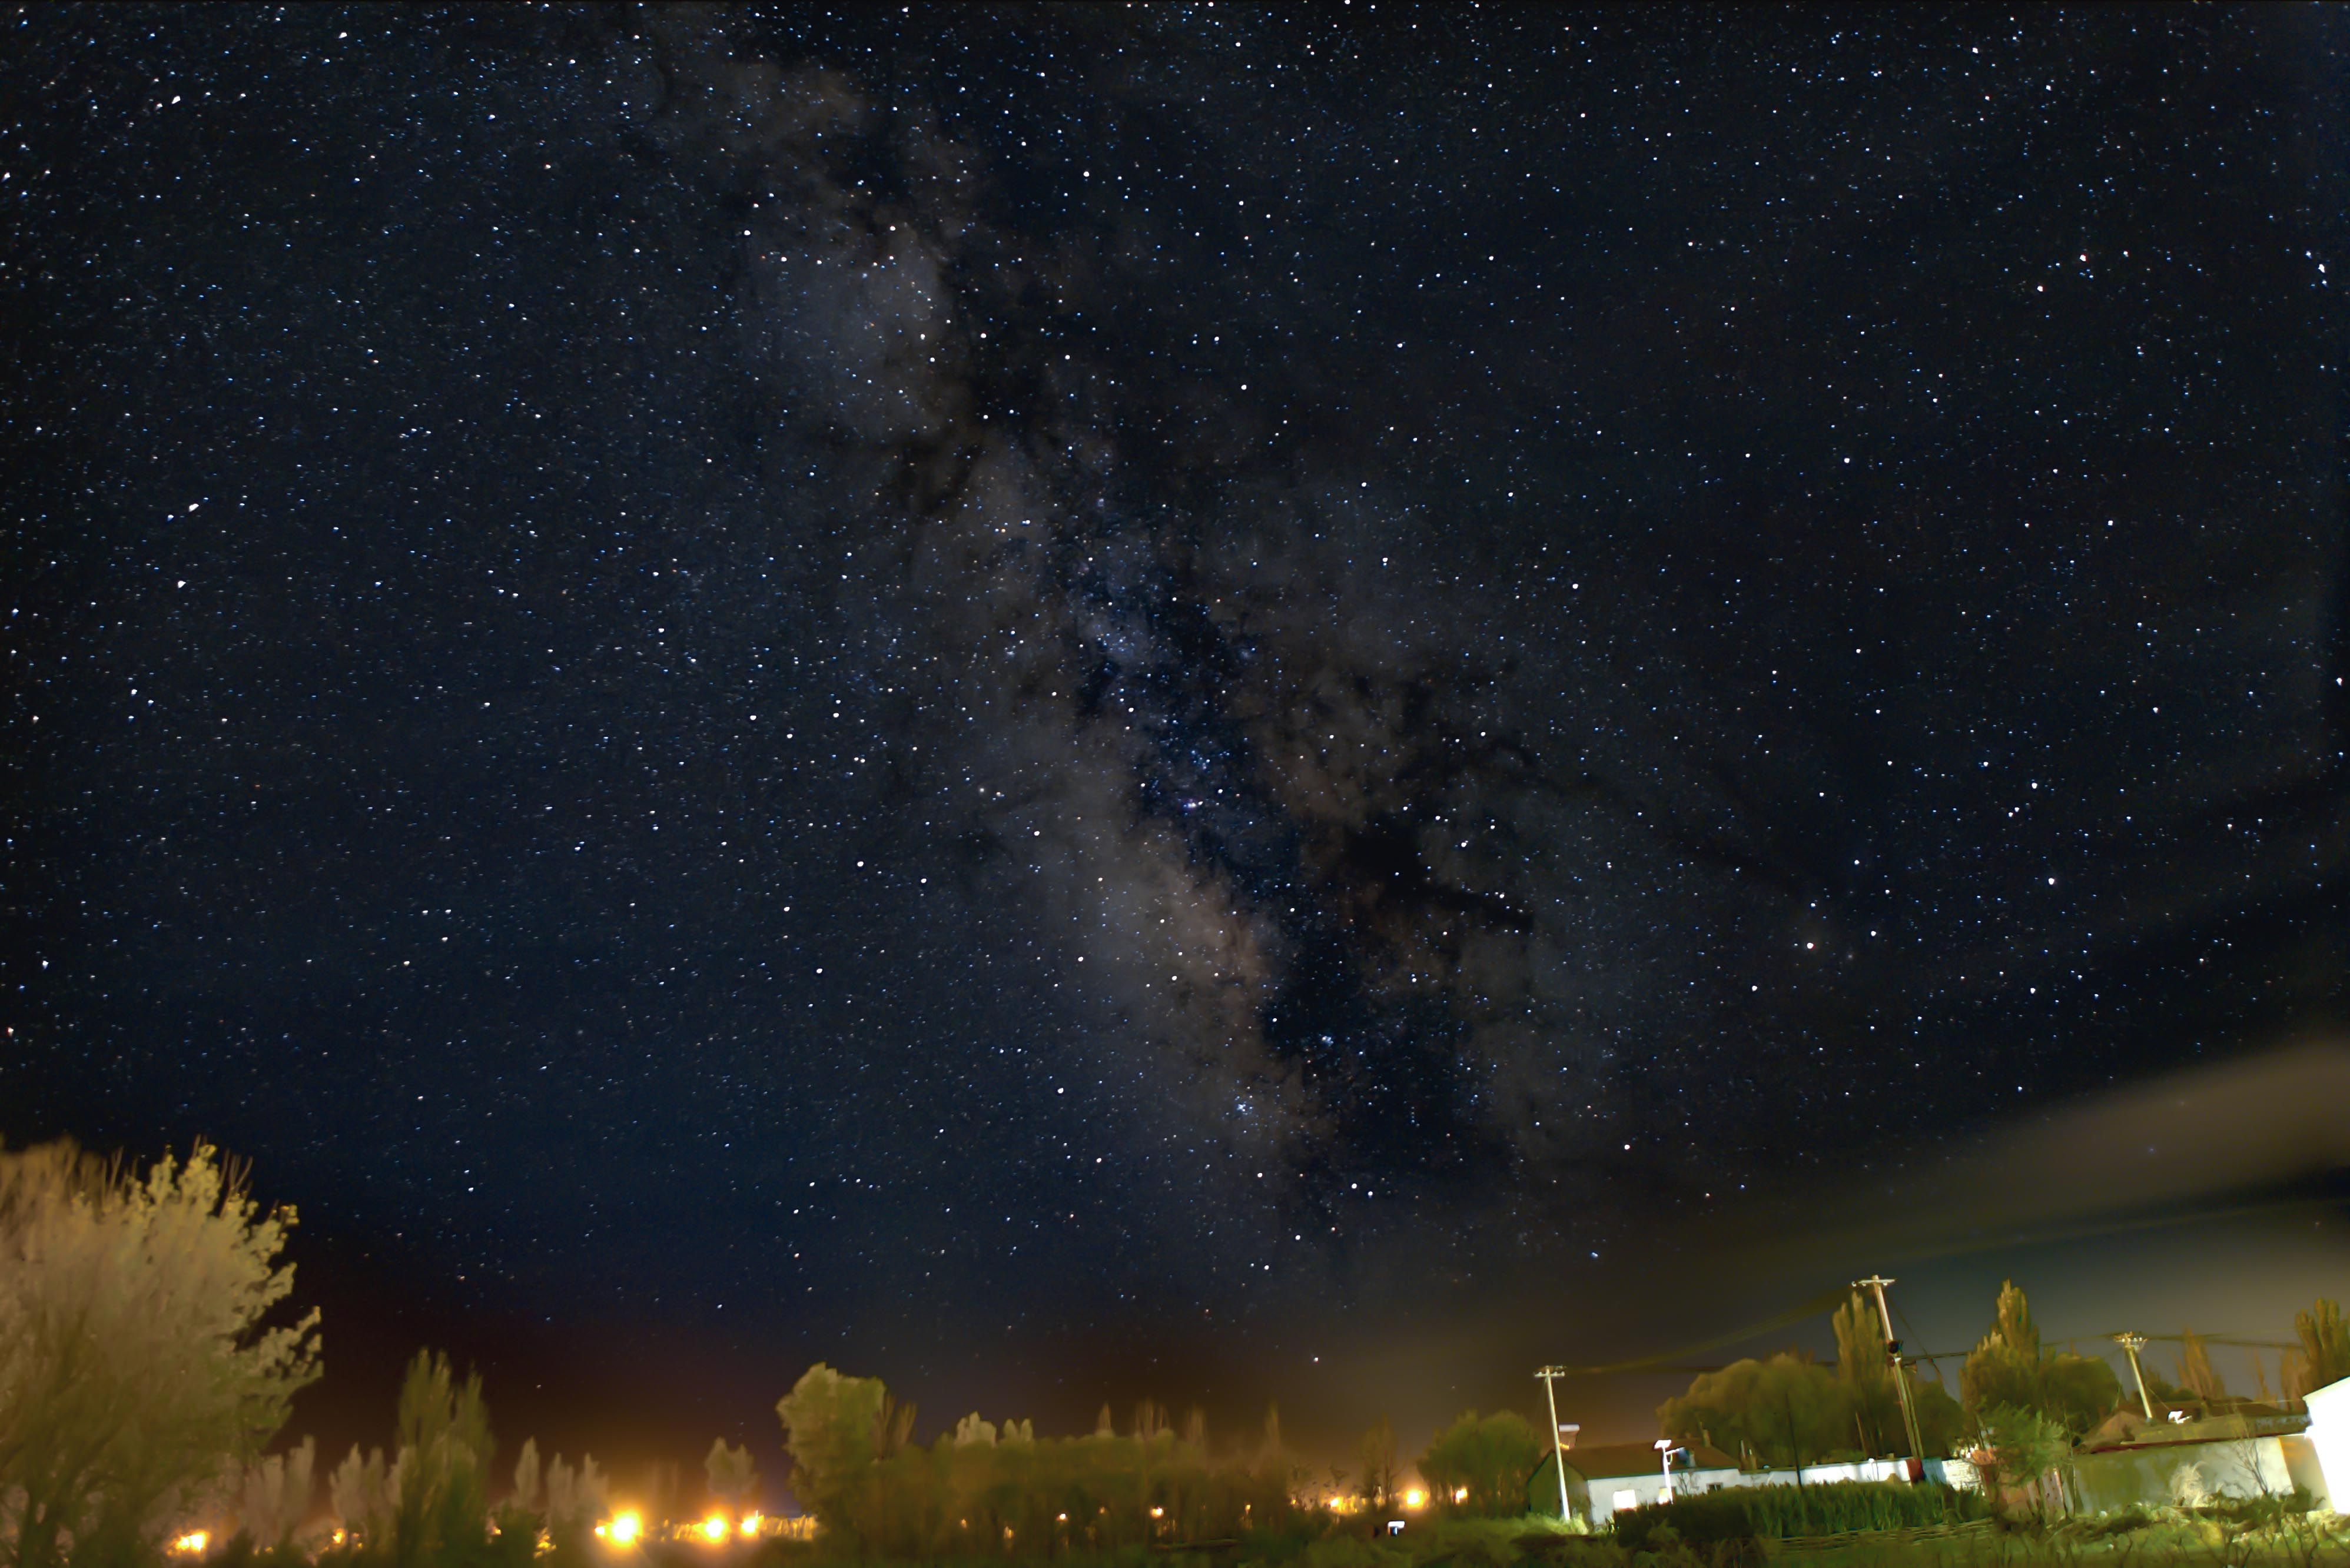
1665, 1458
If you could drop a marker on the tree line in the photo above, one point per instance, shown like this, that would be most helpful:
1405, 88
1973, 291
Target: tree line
148, 1358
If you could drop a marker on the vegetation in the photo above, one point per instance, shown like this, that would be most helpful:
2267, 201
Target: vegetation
1775, 1512
996, 1491
2323, 1356
1479, 1465
2008, 1370
136, 1367
145, 1361
1375, 1456
1789, 1410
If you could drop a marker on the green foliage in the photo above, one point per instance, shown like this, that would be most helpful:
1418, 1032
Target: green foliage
1865, 1368
729, 1471
273, 1497
1939, 1419
2020, 1446
1873, 1400
1491, 1458
2323, 1356
829, 1429
135, 1374
443, 1509
1788, 1410
985, 1489
1775, 1512
2008, 1370
2195, 1371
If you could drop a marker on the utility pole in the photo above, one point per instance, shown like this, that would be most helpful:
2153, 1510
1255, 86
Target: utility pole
2131, 1345
1550, 1376
1877, 1283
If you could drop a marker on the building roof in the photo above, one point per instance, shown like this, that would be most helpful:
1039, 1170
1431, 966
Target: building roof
1608, 1461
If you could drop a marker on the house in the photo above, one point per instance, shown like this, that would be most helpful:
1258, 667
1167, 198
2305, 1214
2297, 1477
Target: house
2237, 1448
1605, 1476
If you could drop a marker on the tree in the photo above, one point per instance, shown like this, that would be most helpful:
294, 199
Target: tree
2020, 1446
1375, 1454
2004, 1369
2194, 1370
730, 1470
274, 1496
1487, 1461
364, 1493
2008, 1370
136, 1371
2323, 1356
1865, 1368
1939, 1419
1788, 1410
829, 1425
442, 1504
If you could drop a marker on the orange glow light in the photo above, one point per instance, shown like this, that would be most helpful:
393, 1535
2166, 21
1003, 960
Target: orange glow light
713, 1529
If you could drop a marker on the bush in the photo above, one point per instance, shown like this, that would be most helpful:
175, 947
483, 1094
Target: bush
1775, 1512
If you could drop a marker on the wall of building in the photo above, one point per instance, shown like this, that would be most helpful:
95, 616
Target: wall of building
2159, 1473
2329, 1441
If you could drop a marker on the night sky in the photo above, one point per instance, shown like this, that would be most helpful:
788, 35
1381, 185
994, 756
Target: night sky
1073, 704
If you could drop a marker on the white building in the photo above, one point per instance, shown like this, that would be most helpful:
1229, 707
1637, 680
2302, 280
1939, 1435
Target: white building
2329, 1434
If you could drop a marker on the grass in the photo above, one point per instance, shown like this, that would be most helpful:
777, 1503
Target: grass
2241, 1536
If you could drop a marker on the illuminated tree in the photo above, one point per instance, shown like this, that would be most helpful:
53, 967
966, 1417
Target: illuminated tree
829, 1425
135, 1369
2323, 1356
364, 1491
1788, 1410
730, 1470
1482, 1465
2008, 1370
1377, 1456
443, 1503
573, 1498
2195, 1371
2021, 1447
1865, 1368
274, 1496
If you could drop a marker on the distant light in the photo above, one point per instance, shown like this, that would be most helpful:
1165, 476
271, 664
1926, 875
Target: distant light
1415, 1498
623, 1529
713, 1529
1157, 1513
193, 1544
751, 1523
1460, 1494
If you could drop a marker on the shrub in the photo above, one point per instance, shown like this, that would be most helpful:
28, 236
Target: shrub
1775, 1512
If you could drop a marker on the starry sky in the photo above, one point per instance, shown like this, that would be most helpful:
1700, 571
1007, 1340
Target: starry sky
1069, 704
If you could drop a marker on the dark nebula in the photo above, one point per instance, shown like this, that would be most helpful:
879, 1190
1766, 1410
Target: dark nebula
1048, 699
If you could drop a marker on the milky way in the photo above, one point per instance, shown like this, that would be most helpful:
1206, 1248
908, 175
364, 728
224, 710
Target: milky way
1063, 670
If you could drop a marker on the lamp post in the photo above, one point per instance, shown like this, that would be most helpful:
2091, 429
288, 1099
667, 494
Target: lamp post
1549, 1376
2131, 1345
1665, 1461
1876, 1284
